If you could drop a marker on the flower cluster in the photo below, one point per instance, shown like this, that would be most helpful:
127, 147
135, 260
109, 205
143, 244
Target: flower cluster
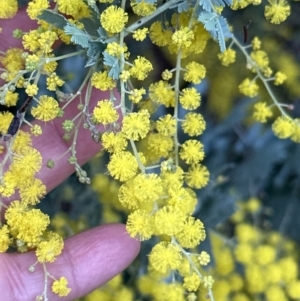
252, 264
151, 128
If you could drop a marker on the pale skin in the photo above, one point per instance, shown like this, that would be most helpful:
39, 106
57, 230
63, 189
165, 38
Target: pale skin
89, 259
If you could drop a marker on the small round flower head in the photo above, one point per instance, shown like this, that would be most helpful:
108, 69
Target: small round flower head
194, 73
243, 253
5, 120
46, 110
158, 146
166, 75
190, 99
140, 224
136, 95
166, 125
183, 198
36, 130
53, 81
141, 67
23, 139
115, 49
32, 191
293, 289
204, 258
127, 196
46, 41
113, 19
11, 98
136, 125
102, 81
249, 88
283, 127
159, 36
194, 124
192, 151
164, 257
239, 4
279, 78
142, 8
162, 93
227, 57
260, 58
183, 37
8, 9
277, 11
191, 283
147, 187
208, 281
31, 224
169, 220
296, 133
31, 89
264, 254
173, 176
262, 112
122, 166
28, 161
246, 233
48, 250
4, 239
256, 43
140, 34
60, 287
113, 142
36, 7
197, 176
191, 234
105, 112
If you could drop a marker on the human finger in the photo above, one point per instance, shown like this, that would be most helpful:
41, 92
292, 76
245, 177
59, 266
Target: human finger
88, 260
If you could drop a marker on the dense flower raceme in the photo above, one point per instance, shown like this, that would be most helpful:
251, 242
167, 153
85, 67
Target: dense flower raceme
145, 151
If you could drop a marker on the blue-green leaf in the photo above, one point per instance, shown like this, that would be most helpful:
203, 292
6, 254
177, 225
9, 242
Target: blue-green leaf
79, 37
53, 18
113, 62
217, 26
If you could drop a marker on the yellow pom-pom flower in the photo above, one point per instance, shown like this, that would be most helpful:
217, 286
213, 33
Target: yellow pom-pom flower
194, 124
48, 250
169, 220
113, 19
113, 142
102, 81
60, 287
140, 224
164, 257
191, 234
183, 38
283, 127
195, 72
190, 99
262, 112
4, 239
277, 11
227, 57
191, 283
197, 176
122, 166
140, 68
105, 112
136, 125
46, 110
166, 125
162, 93
249, 88
192, 151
